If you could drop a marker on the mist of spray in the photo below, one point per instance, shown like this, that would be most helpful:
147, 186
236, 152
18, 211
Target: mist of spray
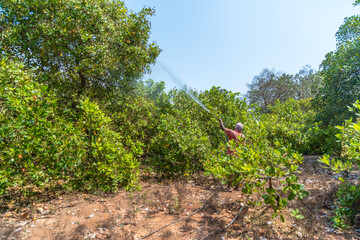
184, 88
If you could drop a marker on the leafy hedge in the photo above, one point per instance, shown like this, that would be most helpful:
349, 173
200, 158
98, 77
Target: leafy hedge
347, 205
44, 147
180, 146
348, 195
259, 165
292, 124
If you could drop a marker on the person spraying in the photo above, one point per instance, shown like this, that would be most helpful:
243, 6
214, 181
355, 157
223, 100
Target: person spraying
235, 135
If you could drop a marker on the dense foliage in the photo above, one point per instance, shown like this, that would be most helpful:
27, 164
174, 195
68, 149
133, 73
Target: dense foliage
80, 47
292, 123
260, 165
348, 196
185, 134
350, 141
347, 205
179, 147
270, 86
41, 146
340, 71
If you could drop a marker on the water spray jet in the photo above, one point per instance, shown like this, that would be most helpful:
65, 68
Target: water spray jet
183, 87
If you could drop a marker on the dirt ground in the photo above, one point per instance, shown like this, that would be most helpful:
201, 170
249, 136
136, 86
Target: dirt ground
134, 215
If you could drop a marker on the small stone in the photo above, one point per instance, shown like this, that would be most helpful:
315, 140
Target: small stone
43, 211
101, 236
91, 215
308, 181
23, 223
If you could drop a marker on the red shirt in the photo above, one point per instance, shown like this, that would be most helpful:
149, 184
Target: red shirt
232, 135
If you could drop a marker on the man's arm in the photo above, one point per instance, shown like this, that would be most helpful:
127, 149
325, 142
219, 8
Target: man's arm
221, 124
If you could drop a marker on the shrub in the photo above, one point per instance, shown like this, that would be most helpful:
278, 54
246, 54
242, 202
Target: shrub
287, 122
348, 196
179, 147
292, 123
43, 147
261, 166
347, 205
350, 141
135, 118
322, 139
106, 164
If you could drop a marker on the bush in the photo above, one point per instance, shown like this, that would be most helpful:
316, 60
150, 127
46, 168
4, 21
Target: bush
135, 118
350, 136
261, 166
106, 164
322, 139
179, 147
292, 123
350, 142
347, 205
287, 122
348, 196
41, 146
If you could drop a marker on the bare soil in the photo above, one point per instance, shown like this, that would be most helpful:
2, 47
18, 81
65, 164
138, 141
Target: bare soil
134, 215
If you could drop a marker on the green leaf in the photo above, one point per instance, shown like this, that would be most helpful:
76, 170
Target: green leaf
291, 196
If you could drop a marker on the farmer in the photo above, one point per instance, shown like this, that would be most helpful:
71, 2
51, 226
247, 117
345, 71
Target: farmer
232, 135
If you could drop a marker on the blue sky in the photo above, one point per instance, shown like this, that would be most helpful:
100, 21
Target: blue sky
226, 43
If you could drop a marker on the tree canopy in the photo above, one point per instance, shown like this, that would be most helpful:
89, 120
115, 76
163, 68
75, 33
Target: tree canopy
341, 75
79, 46
271, 86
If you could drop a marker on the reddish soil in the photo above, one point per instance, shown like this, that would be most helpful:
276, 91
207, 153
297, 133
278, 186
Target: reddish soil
133, 215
